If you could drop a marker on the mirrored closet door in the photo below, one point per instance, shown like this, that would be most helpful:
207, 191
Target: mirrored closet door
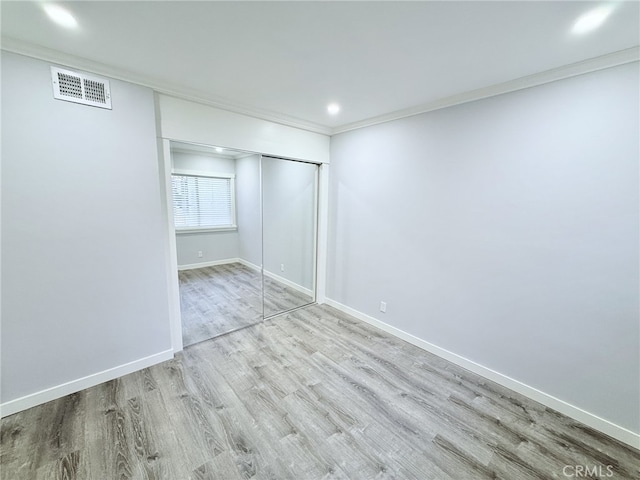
216, 210
289, 205
245, 229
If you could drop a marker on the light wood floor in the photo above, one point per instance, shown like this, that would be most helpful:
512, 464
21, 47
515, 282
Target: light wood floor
224, 298
312, 394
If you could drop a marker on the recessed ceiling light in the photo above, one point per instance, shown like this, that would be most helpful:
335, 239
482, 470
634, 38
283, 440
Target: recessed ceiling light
60, 15
219, 149
333, 108
592, 19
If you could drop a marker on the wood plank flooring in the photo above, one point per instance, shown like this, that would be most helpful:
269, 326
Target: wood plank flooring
223, 298
313, 394
219, 299
279, 297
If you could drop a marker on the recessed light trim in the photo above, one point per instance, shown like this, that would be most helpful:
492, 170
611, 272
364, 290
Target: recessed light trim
333, 108
60, 15
219, 149
592, 19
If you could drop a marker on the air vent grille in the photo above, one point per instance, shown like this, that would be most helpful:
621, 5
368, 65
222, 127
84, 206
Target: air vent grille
94, 91
80, 88
70, 86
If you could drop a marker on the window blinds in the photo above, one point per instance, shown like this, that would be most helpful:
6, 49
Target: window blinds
202, 202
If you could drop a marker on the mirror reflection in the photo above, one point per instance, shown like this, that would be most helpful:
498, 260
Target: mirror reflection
289, 194
245, 237
216, 209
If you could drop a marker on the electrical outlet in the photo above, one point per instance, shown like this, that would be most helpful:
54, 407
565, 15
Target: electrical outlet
199, 253
383, 307
282, 267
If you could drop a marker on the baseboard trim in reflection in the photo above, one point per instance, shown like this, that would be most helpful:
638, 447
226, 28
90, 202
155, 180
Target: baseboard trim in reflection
277, 278
212, 263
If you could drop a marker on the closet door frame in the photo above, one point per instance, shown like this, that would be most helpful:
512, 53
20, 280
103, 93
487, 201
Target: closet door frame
171, 258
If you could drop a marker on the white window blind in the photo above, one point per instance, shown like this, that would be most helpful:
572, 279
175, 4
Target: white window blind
202, 202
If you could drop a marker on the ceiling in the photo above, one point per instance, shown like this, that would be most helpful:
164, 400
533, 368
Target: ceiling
209, 150
286, 61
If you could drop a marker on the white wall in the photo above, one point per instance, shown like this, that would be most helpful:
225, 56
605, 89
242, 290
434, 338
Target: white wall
505, 231
248, 209
288, 196
202, 162
214, 246
193, 122
83, 260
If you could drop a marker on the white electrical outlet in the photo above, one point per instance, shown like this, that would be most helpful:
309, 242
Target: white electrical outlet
282, 267
199, 253
383, 307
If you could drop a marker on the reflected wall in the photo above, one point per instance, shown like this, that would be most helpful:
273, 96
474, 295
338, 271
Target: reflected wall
261, 260
289, 197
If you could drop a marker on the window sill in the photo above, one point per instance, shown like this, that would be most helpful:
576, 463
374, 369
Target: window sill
187, 231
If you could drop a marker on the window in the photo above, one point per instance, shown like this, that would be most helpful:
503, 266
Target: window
203, 201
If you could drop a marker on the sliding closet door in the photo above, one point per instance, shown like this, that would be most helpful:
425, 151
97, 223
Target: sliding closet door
217, 215
289, 203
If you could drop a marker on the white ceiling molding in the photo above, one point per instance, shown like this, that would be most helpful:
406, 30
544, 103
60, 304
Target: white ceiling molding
621, 57
201, 153
590, 65
206, 151
23, 48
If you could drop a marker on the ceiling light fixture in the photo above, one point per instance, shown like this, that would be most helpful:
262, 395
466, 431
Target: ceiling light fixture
592, 19
219, 149
60, 15
333, 108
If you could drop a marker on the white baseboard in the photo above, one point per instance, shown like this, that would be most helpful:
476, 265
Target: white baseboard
289, 283
593, 421
250, 265
277, 278
212, 263
53, 393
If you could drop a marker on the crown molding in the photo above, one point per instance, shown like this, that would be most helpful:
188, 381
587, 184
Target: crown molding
42, 53
621, 57
241, 154
201, 153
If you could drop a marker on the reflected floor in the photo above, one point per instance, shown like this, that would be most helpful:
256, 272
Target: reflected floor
223, 298
279, 298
